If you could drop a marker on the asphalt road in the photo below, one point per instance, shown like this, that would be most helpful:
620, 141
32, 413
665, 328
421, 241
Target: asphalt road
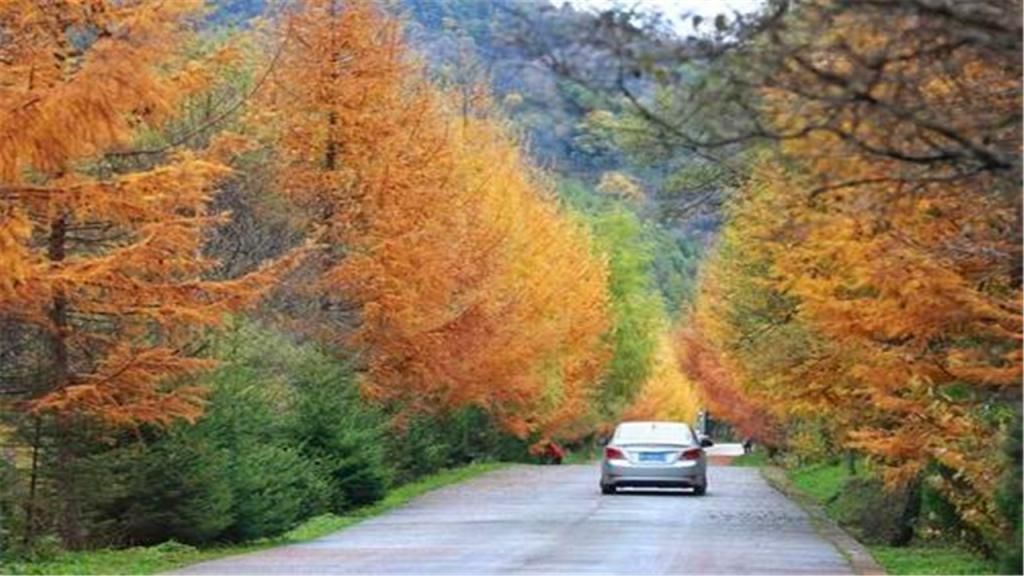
553, 520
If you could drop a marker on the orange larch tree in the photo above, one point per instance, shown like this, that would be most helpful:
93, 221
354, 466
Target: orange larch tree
102, 263
471, 287
870, 272
903, 241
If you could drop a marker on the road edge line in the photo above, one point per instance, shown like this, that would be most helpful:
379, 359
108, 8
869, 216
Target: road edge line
858, 556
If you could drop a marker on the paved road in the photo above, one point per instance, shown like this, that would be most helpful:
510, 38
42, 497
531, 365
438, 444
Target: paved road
552, 520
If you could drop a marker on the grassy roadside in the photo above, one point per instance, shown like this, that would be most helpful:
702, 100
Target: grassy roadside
751, 459
584, 455
931, 560
822, 483
171, 555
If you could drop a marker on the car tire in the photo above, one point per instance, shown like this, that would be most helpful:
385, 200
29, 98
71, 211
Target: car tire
607, 489
702, 488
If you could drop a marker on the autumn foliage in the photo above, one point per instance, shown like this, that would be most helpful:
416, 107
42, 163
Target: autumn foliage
862, 295
668, 393
472, 289
868, 279
101, 256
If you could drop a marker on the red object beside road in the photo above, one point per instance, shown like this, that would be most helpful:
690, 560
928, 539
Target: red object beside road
554, 453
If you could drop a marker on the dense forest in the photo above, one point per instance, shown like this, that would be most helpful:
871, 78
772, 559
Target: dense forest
251, 254
264, 262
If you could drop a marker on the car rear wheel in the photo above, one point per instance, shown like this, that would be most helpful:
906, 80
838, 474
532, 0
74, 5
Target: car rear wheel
607, 489
702, 488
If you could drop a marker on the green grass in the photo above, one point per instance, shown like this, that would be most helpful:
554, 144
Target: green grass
822, 482
583, 455
931, 560
759, 458
171, 555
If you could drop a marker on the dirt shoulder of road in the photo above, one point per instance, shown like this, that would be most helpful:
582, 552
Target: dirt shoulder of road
860, 559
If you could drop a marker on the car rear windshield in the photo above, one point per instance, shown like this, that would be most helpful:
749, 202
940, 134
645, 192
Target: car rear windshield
652, 433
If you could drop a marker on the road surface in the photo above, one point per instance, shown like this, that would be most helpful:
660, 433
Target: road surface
553, 520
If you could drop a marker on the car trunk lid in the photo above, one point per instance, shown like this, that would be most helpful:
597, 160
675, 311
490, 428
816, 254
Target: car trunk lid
653, 454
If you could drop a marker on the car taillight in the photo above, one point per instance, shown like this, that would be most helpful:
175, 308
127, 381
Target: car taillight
613, 454
691, 454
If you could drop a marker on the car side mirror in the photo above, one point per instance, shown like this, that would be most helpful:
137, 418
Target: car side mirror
706, 442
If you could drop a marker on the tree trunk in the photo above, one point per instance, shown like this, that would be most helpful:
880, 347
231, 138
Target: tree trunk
1017, 253
911, 511
69, 518
33, 482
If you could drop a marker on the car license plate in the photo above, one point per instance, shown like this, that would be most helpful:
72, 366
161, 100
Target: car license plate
652, 457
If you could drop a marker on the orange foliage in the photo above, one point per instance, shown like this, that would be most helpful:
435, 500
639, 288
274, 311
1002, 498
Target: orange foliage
473, 289
880, 290
103, 261
667, 394
724, 398
920, 306
876, 314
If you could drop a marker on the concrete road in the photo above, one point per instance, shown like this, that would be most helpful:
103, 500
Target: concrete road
725, 449
553, 520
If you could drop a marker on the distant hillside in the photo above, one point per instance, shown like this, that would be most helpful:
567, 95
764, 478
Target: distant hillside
472, 40
495, 43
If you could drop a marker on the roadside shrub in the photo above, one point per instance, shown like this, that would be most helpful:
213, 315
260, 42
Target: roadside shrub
418, 448
238, 472
285, 436
1008, 501
175, 489
472, 436
273, 486
252, 407
8, 508
939, 517
221, 478
428, 443
876, 515
343, 437
42, 548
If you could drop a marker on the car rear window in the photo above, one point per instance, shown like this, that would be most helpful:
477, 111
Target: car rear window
653, 433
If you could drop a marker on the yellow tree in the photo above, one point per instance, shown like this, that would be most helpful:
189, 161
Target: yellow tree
546, 298
471, 288
667, 394
875, 312
905, 249
102, 265
877, 260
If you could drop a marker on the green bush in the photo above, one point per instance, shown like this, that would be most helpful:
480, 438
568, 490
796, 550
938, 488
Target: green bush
472, 436
273, 486
874, 514
247, 418
342, 436
417, 449
8, 508
938, 515
1008, 501
428, 443
175, 489
284, 437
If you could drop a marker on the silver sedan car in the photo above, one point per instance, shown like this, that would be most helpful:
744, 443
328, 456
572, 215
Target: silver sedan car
654, 455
